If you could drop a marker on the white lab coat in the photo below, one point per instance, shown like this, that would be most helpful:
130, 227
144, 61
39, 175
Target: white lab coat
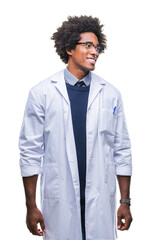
48, 148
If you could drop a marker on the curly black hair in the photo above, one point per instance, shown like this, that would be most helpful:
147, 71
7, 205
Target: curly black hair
68, 34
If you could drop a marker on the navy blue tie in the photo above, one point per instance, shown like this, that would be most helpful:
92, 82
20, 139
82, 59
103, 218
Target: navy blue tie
80, 84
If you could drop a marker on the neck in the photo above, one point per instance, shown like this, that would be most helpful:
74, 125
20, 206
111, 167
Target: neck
78, 73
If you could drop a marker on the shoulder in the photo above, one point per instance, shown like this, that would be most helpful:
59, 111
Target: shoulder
108, 87
44, 86
47, 82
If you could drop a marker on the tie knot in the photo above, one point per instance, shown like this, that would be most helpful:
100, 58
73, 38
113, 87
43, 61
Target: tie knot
80, 84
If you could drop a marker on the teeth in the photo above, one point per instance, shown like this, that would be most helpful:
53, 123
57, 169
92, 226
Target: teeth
91, 60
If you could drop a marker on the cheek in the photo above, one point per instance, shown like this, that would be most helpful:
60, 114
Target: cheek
80, 56
83, 57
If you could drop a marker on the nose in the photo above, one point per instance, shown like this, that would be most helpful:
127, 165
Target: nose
94, 51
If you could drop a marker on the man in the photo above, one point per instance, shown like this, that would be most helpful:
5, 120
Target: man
74, 134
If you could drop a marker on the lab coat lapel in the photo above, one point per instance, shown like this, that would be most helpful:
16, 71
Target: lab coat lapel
59, 81
96, 85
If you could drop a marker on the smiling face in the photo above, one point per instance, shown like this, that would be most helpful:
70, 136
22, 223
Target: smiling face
82, 59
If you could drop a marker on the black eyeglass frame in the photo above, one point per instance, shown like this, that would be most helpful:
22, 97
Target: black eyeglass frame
98, 48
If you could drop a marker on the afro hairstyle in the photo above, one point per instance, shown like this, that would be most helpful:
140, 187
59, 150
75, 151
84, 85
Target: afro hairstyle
67, 36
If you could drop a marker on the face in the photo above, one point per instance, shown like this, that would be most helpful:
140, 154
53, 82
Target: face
83, 59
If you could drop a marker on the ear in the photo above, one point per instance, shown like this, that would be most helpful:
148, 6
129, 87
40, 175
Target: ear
69, 52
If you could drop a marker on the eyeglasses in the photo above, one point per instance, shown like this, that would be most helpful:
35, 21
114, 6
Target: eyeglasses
90, 45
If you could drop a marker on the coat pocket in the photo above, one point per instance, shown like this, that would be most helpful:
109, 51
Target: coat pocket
107, 122
107, 125
51, 181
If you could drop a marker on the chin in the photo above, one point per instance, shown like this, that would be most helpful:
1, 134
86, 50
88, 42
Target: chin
90, 68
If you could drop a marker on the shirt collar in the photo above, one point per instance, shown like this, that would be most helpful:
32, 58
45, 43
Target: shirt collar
71, 79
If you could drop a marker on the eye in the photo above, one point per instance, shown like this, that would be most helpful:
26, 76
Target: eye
88, 45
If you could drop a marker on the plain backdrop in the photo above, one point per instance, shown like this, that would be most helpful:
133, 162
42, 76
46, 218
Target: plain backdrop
27, 56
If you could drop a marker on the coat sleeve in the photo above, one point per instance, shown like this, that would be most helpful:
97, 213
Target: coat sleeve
31, 140
122, 146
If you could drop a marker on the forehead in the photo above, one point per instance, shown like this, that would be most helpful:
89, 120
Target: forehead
89, 37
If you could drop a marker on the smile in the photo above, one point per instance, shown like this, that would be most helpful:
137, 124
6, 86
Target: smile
91, 60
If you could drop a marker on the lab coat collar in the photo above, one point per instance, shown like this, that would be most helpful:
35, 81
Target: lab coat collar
95, 87
58, 78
